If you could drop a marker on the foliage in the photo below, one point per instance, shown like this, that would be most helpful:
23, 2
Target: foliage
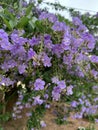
89, 20
90, 127
47, 58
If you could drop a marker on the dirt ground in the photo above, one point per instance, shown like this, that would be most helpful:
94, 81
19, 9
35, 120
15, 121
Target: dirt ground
20, 124
75, 123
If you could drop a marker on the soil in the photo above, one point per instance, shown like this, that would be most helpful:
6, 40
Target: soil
20, 124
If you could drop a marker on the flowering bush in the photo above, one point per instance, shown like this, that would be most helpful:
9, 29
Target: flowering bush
48, 60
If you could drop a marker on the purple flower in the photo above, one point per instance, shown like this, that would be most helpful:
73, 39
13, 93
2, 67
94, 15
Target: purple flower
28, 114
31, 53
94, 73
34, 41
55, 80
94, 59
46, 60
67, 59
47, 37
58, 50
48, 44
87, 103
24, 4
79, 72
5, 45
89, 39
17, 49
91, 110
56, 93
95, 99
28, 105
18, 103
96, 120
78, 115
37, 101
59, 26
22, 68
32, 128
37, 60
95, 88
8, 64
16, 39
65, 118
20, 97
3, 34
39, 84
51, 17
82, 28
83, 109
77, 43
66, 40
81, 57
83, 97
76, 21
43, 124
6, 81
62, 84
14, 115
20, 107
74, 104
46, 96
81, 101
47, 106
4, 41
69, 90
44, 15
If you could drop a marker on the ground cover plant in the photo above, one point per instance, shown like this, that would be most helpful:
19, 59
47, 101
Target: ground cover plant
45, 60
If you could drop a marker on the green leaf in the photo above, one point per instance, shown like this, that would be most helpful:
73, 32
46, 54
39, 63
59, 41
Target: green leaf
1, 128
29, 9
2, 15
20, 5
32, 22
7, 24
23, 21
39, 26
10, 15
12, 23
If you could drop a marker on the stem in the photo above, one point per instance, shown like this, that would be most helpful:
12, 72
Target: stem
3, 101
1, 3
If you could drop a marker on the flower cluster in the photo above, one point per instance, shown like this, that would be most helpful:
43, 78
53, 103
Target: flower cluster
54, 62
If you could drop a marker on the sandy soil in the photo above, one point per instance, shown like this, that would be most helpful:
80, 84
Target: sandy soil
20, 124
75, 123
